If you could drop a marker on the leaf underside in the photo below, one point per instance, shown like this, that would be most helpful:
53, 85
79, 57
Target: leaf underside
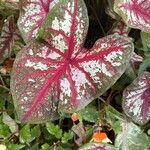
136, 99
135, 13
61, 73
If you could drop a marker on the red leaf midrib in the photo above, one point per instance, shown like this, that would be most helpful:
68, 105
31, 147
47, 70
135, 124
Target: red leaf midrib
40, 96
137, 9
99, 55
72, 32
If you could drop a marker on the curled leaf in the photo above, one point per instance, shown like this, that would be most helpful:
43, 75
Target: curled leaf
136, 101
32, 15
135, 13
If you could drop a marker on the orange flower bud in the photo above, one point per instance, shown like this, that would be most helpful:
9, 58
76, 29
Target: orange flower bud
74, 117
99, 136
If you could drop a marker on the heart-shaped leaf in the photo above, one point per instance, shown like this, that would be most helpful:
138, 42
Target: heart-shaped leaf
7, 38
32, 15
131, 138
136, 99
64, 73
98, 146
136, 13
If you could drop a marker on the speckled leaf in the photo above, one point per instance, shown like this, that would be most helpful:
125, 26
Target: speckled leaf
131, 138
7, 38
63, 70
136, 13
136, 99
98, 146
32, 15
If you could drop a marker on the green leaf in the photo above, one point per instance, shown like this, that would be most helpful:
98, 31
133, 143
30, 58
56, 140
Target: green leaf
146, 37
14, 146
144, 66
114, 118
4, 131
54, 130
66, 146
10, 122
67, 136
132, 138
36, 132
45, 146
89, 114
25, 134
34, 146
143, 38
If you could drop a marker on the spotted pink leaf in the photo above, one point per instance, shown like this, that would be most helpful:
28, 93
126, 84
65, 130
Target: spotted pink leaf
135, 13
136, 99
63, 73
97, 146
32, 15
7, 38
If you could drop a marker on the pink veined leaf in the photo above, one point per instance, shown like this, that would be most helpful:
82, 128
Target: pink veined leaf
63, 73
135, 13
136, 101
97, 146
32, 15
7, 38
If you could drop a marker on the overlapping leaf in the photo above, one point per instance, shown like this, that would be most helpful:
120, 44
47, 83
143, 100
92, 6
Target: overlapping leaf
128, 135
32, 15
63, 73
98, 146
7, 38
136, 99
136, 13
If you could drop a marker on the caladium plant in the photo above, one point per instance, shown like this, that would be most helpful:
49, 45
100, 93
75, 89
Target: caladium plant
131, 137
136, 101
58, 73
8, 35
32, 15
135, 13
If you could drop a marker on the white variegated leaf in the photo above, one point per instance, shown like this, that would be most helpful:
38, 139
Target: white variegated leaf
60, 73
136, 99
135, 13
